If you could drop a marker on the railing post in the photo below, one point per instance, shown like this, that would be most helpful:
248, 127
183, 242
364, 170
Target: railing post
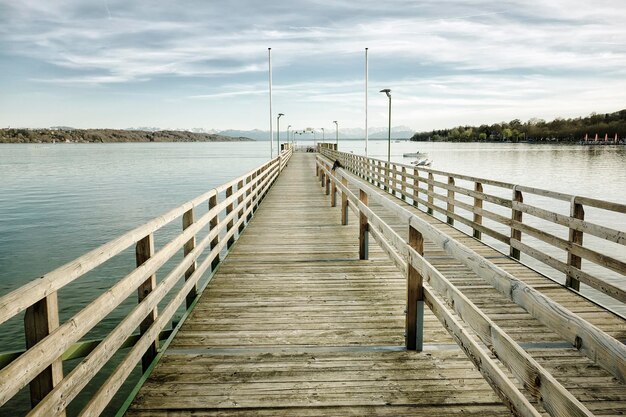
328, 184
516, 215
415, 296
416, 186
231, 222
575, 237
188, 219
403, 186
248, 192
39, 321
478, 205
322, 176
431, 191
333, 191
280, 161
213, 225
363, 229
379, 174
144, 250
344, 202
239, 205
450, 204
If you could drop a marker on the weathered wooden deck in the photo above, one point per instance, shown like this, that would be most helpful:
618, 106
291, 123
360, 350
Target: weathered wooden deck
293, 323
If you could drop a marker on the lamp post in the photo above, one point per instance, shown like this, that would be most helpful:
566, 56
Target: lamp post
278, 132
288, 137
336, 133
323, 135
388, 92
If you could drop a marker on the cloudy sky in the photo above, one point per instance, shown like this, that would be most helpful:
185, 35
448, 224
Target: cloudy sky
185, 64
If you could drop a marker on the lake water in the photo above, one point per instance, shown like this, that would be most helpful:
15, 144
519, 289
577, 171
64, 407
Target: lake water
60, 201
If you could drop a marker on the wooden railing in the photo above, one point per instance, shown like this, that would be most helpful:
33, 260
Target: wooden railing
424, 187
230, 208
426, 285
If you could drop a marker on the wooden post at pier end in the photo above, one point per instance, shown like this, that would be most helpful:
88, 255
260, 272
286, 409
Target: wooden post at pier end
363, 229
40, 320
144, 250
188, 219
576, 237
415, 296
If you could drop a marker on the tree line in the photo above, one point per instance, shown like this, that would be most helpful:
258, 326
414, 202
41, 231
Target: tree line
535, 130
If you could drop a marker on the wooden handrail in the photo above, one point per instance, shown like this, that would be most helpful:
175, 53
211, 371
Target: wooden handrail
412, 188
47, 349
540, 383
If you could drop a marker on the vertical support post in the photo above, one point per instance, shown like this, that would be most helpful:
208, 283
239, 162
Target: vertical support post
387, 180
450, 204
317, 168
231, 222
188, 219
240, 206
403, 186
327, 184
379, 173
333, 191
575, 237
39, 321
144, 250
394, 180
415, 295
248, 192
478, 205
255, 191
322, 176
416, 186
431, 190
363, 229
213, 225
516, 216
344, 202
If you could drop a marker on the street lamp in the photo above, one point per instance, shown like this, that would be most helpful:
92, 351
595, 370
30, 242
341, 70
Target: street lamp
323, 135
388, 92
336, 133
278, 132
288, 137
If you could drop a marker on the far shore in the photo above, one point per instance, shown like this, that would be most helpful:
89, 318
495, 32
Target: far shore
47, 136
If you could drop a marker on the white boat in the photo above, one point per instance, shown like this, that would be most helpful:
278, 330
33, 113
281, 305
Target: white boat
413, 154
422, 163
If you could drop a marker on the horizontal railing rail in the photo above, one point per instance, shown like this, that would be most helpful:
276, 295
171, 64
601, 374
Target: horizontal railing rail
230, 208
425, 284
423, 186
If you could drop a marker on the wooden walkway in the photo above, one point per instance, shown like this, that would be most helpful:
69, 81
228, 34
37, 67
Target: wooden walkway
293, 323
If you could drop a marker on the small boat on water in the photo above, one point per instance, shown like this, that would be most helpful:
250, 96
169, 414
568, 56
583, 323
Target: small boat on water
413, 154
422, 163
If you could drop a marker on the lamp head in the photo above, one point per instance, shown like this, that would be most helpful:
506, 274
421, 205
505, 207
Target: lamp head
335, 122
280, 114
386, 91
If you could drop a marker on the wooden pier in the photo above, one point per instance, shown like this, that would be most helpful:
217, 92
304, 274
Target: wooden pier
339, 296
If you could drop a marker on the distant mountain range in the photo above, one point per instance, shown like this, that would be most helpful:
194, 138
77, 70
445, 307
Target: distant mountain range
397, 132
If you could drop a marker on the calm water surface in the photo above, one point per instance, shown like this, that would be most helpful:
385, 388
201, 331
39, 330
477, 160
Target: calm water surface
60, 201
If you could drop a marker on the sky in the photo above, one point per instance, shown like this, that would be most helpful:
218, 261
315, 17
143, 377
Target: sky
204, 64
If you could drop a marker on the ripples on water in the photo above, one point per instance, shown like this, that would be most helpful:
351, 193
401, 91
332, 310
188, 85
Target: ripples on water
59, 201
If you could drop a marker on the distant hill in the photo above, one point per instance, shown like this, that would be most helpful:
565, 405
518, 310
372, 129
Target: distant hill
69, 135
536, 130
